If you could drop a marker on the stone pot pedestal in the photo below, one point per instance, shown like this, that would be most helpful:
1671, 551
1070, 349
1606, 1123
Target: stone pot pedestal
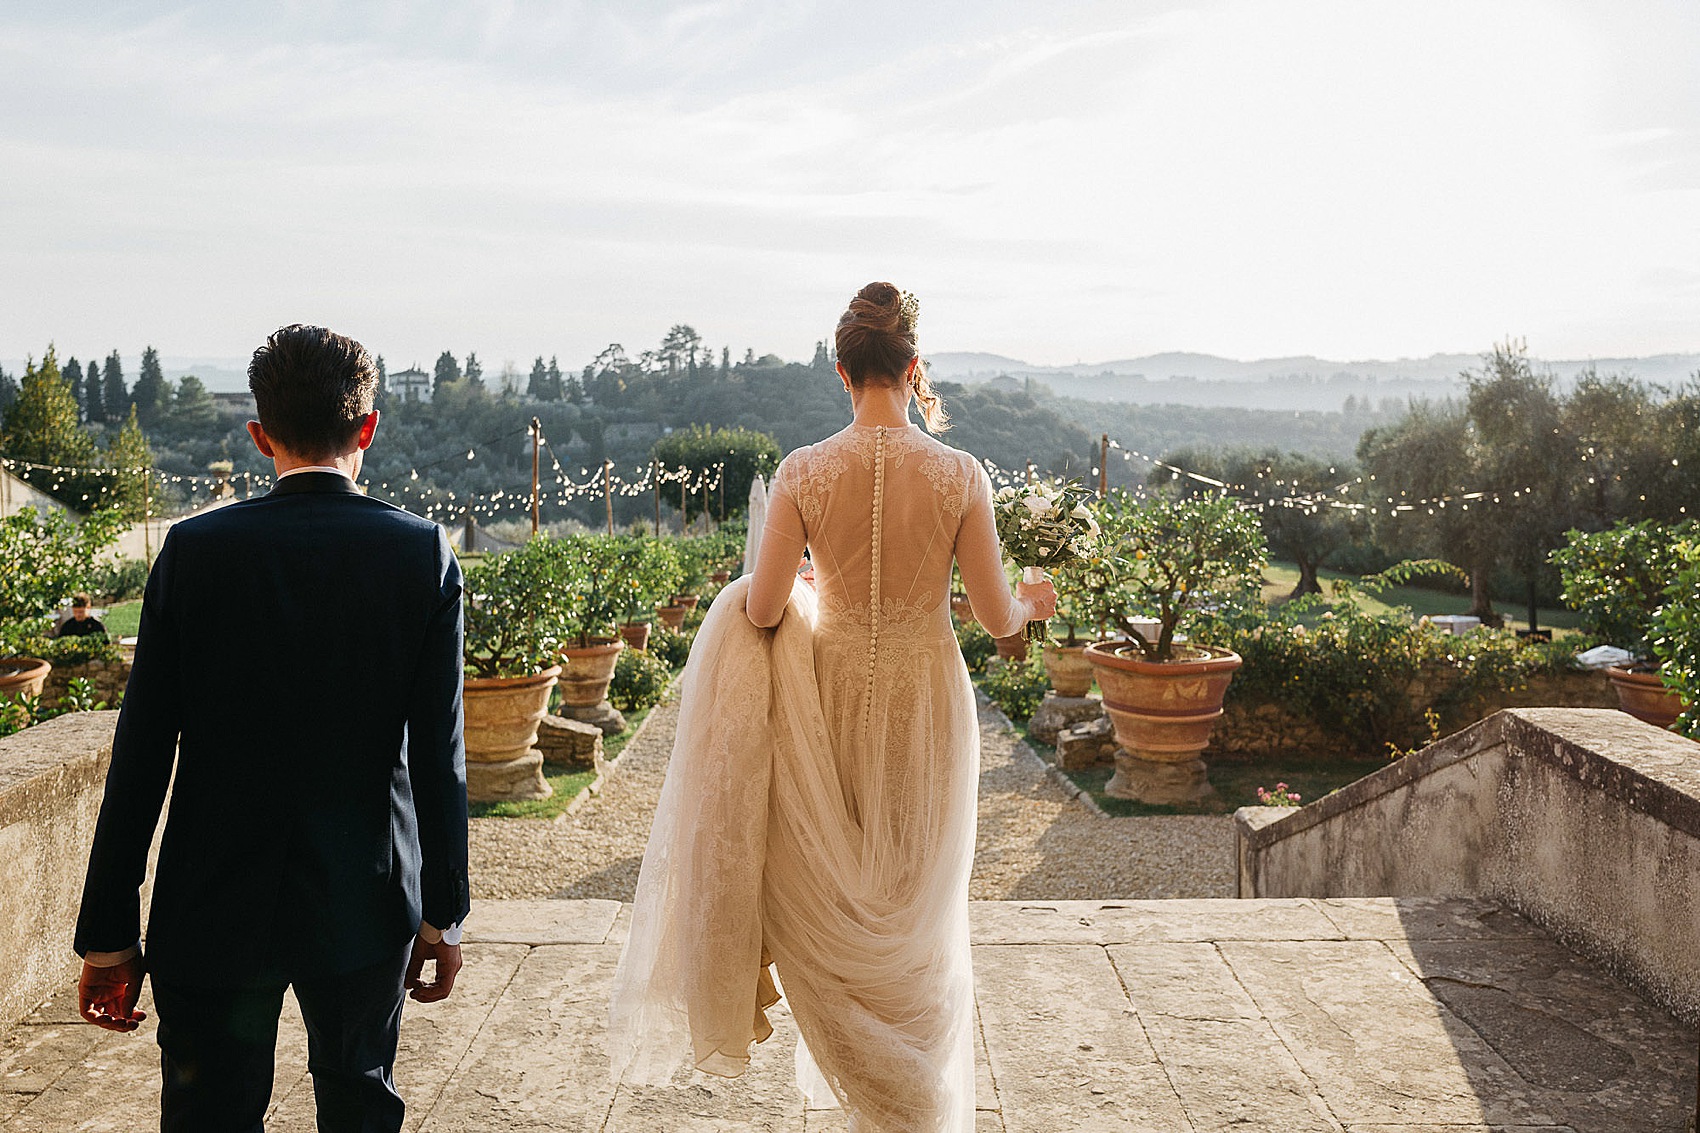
1057, 712
1147, 781
503, 763
1644, 696
584, 686
1163, 713
602, 715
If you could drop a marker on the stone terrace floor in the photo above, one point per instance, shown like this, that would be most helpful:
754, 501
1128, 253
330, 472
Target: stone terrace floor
1367, 1015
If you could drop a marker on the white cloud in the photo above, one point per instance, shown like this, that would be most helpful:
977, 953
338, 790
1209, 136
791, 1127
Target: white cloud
1248, 178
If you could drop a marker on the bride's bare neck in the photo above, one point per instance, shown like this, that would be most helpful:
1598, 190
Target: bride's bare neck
880, 405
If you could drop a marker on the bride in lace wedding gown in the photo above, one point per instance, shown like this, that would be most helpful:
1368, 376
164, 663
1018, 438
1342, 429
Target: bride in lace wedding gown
819, 808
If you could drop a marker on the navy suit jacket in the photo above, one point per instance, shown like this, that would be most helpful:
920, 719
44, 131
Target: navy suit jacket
300, 656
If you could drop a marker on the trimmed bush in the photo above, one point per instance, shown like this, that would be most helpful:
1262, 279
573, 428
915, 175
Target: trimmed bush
1018, 687
640, 680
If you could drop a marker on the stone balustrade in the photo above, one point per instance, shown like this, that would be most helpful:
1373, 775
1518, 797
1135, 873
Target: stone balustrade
51, 781
1585, 821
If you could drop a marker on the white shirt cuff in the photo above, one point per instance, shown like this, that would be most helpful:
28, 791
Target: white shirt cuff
113, 959
430, 935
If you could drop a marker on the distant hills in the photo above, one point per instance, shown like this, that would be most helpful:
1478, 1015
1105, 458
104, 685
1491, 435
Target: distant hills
1177, 378
1305, 382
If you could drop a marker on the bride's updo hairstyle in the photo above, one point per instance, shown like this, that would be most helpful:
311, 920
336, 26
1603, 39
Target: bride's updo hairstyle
876, 343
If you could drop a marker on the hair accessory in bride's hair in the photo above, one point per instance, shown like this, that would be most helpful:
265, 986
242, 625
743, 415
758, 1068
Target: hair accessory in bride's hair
908, 311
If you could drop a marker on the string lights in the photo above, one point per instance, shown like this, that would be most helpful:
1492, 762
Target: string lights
605, 481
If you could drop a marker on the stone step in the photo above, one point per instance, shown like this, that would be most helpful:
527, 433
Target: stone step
1351, 1015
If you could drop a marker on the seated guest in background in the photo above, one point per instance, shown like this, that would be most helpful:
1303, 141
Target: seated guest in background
80, 623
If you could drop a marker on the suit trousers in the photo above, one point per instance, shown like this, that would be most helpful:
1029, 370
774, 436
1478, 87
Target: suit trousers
218, 1046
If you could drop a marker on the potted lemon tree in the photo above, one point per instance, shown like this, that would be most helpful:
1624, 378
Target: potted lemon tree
649, 571
1170, 557
588, 581
1617, 580
514, 631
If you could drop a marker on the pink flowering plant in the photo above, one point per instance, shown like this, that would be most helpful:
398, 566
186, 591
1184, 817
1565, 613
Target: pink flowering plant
1282, 795
1045, 525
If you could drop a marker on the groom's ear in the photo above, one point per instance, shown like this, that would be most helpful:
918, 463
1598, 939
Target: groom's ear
263, 442
368, 427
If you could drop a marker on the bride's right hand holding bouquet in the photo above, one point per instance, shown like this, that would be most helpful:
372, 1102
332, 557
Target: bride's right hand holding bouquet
1044, 525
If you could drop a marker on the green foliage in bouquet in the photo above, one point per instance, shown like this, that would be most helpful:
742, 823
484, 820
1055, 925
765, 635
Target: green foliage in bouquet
1168, 557
513, 609
640, 680
1616, 579
1045, 525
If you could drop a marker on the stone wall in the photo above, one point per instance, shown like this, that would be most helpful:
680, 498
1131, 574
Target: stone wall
51, 781
108, 678
1586, 821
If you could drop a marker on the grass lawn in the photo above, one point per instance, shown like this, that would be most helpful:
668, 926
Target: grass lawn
566, 782
123, 619
1279, 578
1236, 782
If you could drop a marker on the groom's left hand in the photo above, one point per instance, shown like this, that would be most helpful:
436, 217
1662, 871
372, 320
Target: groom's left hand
447, 958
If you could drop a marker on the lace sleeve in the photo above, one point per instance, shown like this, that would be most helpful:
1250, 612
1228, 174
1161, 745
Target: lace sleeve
781, 549
980, 557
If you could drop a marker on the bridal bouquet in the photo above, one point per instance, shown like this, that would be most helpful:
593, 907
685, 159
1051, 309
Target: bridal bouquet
1044, 525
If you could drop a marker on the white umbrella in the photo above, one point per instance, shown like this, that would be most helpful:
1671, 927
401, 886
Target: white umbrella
758, 517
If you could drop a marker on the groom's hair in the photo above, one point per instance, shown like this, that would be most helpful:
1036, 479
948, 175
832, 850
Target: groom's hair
312, 387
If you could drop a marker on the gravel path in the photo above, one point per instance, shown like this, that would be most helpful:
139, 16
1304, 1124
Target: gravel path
1035, 843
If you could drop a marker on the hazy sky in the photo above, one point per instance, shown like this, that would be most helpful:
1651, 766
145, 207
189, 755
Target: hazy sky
1057, 181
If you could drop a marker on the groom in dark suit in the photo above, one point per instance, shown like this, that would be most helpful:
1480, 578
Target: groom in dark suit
300, 662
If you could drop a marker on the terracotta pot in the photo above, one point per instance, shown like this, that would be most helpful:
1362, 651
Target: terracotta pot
720, 577
23, 676
502, 713
673, 617
1013, 647
964, 611
1163, 713
688, 601
1068, 668
636, 635
589, 669
1644, 696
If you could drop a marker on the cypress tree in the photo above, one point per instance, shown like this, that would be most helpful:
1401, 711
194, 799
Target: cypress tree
152, 395
128, 451
94, 403
73, 372
448, 370
539, 381
474, 371
114, 394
